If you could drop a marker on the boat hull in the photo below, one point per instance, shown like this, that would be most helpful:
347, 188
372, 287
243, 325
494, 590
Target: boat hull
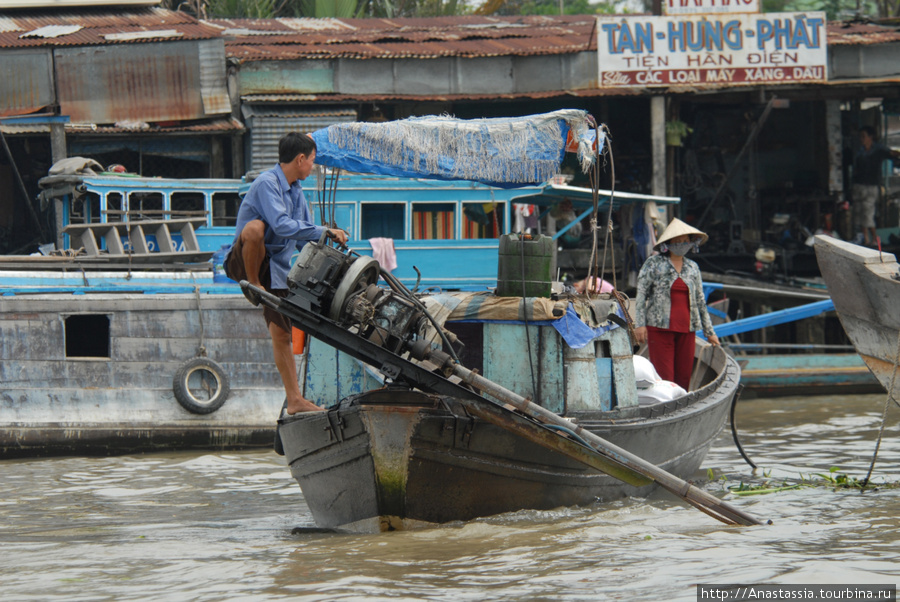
396, 459
57, 398
806, 374
863, 284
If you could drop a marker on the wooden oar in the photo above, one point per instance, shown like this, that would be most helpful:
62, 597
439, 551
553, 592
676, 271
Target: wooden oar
536, 426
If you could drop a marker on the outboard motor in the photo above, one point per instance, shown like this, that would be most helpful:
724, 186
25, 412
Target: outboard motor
342, 287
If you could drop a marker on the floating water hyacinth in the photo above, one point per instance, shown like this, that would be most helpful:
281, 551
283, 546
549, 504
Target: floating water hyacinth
506, 152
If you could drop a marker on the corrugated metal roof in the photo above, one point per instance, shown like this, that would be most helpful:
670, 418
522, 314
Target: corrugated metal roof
268, 124
99, 26
7, 4
298, 98
146, 82
27, 77
213, 126
860, 34
466, 36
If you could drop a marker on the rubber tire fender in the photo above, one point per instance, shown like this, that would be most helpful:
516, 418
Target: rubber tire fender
208, 369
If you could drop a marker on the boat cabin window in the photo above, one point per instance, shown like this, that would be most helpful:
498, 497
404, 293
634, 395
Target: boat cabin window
188, 204
85, 209
115, 210
383, 220
433, 221
482, 220
225, 208
145, 205
87, 335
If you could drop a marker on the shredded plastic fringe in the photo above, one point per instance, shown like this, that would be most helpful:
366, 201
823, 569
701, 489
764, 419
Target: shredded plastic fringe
517, 150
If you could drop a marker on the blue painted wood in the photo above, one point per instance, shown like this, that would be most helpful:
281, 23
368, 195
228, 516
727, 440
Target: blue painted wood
454, 263
620, 351
332, 375
774, 318
805, 373
605, 382
506, 362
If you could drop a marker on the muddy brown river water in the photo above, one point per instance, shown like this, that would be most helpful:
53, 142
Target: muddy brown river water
220, 526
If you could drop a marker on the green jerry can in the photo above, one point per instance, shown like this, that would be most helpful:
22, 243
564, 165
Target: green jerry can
536, 254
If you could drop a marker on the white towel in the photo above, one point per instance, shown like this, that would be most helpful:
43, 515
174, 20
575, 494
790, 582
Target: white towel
383, 252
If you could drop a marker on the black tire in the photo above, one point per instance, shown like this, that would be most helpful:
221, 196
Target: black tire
201, 385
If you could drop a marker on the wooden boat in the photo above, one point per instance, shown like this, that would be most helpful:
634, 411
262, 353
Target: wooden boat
394, 458
780, 369
144, 270
439, 230
129, 349
102, 368
806, 374
864, 284
412, 443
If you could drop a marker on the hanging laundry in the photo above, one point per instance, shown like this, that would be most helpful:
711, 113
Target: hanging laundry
384, 253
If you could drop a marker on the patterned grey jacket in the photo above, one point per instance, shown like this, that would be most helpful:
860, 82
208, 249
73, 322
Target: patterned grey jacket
654, 301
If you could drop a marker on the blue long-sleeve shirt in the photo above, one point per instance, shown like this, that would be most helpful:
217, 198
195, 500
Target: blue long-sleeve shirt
283, 208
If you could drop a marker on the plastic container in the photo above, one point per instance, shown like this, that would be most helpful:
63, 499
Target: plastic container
536, 254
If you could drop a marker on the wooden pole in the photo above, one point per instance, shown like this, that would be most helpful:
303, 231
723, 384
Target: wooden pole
12, 162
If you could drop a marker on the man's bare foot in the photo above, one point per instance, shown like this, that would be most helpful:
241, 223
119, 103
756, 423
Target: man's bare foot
303, 405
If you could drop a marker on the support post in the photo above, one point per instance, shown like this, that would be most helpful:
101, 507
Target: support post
58, 150
658, 144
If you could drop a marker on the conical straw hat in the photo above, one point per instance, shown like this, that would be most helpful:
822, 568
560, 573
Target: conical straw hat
676, 228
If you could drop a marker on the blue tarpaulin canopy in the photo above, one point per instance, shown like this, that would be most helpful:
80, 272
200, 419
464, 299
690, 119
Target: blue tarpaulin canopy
504, 152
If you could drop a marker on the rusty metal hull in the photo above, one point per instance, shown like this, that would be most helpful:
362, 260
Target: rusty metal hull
394, 459
55, 398
864, 286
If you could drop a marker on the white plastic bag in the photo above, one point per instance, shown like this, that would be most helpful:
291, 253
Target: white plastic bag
660, 392
644, 372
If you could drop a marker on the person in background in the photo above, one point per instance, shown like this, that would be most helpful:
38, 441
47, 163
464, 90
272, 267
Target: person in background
273, 221
670, 306
867, 181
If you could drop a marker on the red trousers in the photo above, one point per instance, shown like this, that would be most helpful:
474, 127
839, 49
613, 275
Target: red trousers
672, 354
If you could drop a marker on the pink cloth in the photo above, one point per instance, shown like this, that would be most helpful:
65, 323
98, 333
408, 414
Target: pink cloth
605, 287
383, 252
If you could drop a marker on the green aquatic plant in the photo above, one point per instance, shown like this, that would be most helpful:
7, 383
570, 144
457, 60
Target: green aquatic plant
834, 480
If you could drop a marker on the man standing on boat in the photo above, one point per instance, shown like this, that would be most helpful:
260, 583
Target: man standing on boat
274, 220
867, 166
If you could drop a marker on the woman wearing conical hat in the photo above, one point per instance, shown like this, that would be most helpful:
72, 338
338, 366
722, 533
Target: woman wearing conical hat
670, 303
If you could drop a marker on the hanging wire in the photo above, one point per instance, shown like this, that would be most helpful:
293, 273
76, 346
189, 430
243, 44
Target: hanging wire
332, 199
596, 274
320, 192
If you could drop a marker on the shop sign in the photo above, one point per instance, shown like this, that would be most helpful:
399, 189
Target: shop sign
764, 48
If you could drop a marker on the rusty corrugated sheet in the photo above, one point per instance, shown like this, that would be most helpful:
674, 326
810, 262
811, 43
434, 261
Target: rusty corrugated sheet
465, 36
302, 98
213, 126
144, 82
860, 34
27, 77
73, 3
100, 26
226, 125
